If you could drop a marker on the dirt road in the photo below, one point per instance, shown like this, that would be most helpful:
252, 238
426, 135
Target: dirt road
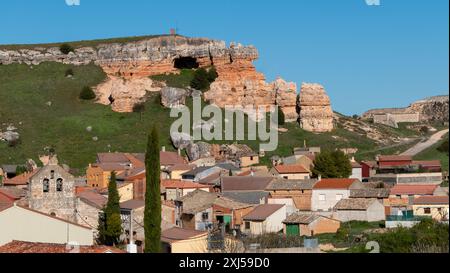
419, 147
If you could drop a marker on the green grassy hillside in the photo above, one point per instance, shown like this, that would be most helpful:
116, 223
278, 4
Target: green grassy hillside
25, 92
433, 153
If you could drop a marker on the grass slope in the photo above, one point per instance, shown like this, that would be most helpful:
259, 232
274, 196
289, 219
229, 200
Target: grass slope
25, 91
433, 153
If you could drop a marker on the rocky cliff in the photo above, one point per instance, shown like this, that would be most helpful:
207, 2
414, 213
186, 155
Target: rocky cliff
316, 114
129, 65
430, 109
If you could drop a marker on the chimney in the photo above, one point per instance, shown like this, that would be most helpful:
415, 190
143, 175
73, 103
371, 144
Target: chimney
320, 177
252, 173
163, 149
179, 152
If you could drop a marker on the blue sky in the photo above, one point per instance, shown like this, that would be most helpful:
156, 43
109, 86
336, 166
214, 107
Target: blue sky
365, 56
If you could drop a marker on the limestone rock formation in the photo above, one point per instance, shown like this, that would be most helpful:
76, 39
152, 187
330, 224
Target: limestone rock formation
427, 110
180, 140
198, 150
316, 114
128, 66
173, 97
125, 93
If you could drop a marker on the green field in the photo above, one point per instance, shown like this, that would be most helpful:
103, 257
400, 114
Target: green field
25, 92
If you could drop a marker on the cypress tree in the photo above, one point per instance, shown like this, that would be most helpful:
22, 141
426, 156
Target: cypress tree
112, 221
152, 213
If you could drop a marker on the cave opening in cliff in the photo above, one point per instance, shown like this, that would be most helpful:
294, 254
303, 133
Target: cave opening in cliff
186, 63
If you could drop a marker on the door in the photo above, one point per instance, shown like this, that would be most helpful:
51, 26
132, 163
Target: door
292, 230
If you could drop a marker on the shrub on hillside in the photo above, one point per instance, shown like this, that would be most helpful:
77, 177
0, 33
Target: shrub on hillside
443, 147
212, 74
87, 94
281, 117
332, 165
66, 48
200, 80
69, 72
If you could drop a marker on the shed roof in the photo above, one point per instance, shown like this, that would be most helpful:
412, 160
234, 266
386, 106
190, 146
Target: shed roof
261, 212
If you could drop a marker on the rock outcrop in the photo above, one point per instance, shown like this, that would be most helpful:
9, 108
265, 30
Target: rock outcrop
173, 97
128, 66
431, 109
316, 114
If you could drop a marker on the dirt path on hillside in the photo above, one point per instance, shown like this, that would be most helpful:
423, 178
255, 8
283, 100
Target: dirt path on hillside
419, 147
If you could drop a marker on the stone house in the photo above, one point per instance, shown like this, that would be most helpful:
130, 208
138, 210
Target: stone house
359, 209
175, 172
309, 224
299, 191
201, 210
356, 170
294, 172
178, 188
435, 207
89, 206
52, 191
267, 218
327, 192
241, 154
305, 160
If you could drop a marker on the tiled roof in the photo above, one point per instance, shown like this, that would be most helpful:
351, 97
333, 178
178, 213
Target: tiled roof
19, 180
413, 189
395, 158
29, 247
431, 200
283, 169
181, 167
230, 203
111, 166
428, 163
179, 184
371, 164
369, 193
249, 197
213, 179
227, 166
170, 158
355, 164
132, 204
303, 218
13, 192
197, 170
95, 199
284, 184
245, 183
197, 201
354, 204
179, 234
335, 183
261, 212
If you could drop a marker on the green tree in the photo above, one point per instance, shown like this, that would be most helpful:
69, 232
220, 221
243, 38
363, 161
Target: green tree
212, 74
139, 108
200, 80
443, 148
332, 165
281, 117
113, 223
21, 170
87, 93
66, 49
152, 212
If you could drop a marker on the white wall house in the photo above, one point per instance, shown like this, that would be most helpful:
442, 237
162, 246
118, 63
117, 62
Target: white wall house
359, 209
356, 171
23, 224
328, 192
263, 219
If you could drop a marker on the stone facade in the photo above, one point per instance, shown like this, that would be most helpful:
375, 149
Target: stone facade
52, 191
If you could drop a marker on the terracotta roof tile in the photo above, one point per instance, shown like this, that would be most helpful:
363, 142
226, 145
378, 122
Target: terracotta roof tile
179, 234
431, 200
413, 189
283, 169
335, 183
354, 204
261, 212
179, 184
245, 183
20, 179
170, 158
395, 158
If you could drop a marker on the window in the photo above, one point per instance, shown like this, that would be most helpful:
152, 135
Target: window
427, 210
286, 177
339, 197
59, 184
247, 225
46, 185
52, 174
322, 197
205, 216
251, 158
